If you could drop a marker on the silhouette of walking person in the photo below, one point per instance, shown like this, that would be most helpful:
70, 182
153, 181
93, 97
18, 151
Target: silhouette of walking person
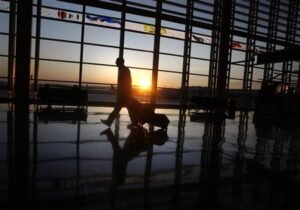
138, 140
124, 93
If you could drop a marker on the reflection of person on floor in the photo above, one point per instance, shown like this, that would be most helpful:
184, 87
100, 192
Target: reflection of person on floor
124, 92
139, 140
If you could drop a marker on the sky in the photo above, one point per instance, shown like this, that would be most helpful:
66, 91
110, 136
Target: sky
101, 48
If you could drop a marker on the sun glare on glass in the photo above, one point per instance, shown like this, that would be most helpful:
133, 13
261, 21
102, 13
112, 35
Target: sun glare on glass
144, 84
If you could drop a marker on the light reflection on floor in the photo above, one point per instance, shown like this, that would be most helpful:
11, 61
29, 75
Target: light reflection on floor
201, 165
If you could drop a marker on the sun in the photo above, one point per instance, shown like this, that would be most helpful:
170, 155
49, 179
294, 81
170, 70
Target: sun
144, 84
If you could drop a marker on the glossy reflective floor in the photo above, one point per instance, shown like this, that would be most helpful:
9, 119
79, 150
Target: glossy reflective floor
58, 163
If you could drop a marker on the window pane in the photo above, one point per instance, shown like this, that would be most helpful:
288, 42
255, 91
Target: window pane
256, 85
151, 4
59, 50
168, 84
141, 81
235, 84
139, 18
104, 82
100, 35
61, 5
32, 66
203, 16
172, 46
169, 80
4, 5
141, 78
99, 74
171, 63
197, 81
172, 9
202, 31
101, 55
237, 71
4, 22
258, 74
3, 66
174, 25
33, 27
103, 12
237, 56
200, 50
3, 44
199, 66
60, 30
138, 59
139, 41
51, 70
32, 53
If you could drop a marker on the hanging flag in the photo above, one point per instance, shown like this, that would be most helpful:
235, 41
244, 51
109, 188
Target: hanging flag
103, 19
61, 14
73, 16
236, 45
113, 22
149, 29
259, 50
198, 39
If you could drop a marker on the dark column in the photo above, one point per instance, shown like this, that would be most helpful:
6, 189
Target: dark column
24, 22
147, 177
298, 82
179, 158
81, 44
23, 53
78, 163
11, 47
122, 34
224, 48
211, 162
272, 37
187, 53
10, 152
239, 160
35, 157
156, 51
37, 46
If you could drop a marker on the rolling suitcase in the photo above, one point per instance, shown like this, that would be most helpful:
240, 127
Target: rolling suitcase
144, 114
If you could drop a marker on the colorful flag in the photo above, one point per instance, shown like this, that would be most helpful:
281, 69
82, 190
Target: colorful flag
151, 29
198, 39
61, 14
113, 22
236, 45
103, 19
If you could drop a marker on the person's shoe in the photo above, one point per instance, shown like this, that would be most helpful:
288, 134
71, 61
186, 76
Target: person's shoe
106, 122
106, 132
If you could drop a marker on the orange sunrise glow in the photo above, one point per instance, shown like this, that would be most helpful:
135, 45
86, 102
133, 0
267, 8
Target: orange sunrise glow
144, 84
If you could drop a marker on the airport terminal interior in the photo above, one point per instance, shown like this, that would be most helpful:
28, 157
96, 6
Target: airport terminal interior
215, 94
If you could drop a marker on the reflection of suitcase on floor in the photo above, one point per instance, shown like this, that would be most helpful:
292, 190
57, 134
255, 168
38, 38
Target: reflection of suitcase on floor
160, 120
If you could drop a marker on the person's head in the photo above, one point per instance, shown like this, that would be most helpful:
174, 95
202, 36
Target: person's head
120, 61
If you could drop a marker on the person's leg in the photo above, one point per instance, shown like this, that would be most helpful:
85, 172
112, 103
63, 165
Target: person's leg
119, 165
112, 115
132, 115
133, 108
